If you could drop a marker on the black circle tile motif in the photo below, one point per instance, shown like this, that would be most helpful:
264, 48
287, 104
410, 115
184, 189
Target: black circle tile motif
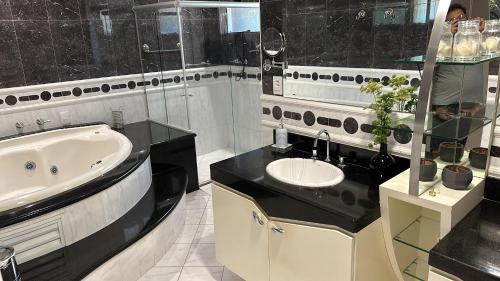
76, 92
385, 80
131, 85
492, 90
259, 76
415, 82
46, 96
215, 74
359, 79
277, 113
105, 88
366, 128
351, 125
155, 82
315, 76
11, 100
295, 75
230, 74
177, 79
244, 75
335, 77
1, 101
403, 136
197, 77
309, 118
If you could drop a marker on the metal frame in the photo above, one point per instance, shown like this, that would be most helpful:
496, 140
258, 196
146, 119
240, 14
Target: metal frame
423, 96
196, 4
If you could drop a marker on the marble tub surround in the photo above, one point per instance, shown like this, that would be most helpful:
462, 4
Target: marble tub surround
140, 238
471, 250
351, 205
80, 219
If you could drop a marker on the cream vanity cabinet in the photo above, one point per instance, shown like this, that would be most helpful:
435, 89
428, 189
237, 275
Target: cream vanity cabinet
259, 249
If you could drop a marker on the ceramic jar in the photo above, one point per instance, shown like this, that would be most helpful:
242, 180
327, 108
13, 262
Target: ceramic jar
456, 177
428, 170
478, 157
451, 151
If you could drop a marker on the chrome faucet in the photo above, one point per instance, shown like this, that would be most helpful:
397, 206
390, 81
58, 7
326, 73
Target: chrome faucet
315, 147
20, 127
41, 122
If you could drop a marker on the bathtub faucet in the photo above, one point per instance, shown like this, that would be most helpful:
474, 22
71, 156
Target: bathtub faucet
8, 265
20, 127
41, 123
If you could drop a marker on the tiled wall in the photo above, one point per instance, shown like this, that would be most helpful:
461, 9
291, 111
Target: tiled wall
46, 41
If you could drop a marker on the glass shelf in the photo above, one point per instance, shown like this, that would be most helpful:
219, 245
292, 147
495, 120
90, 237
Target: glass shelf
422, 234
457, 128
421, 60
418, 269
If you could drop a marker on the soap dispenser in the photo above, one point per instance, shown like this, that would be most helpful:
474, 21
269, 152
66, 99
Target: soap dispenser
281, 137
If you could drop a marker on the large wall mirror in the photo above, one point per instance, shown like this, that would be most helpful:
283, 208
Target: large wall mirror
334, 47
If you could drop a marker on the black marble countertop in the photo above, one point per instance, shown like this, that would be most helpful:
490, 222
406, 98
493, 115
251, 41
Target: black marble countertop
142, 135
471, 251
352, 205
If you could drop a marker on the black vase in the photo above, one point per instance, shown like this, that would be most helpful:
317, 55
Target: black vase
382, 160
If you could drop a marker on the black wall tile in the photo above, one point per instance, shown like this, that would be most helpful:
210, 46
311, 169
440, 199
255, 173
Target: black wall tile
37, 53
29, 10
63, 9
11, 71
295, 33
70, 56
99, 49
337, 4
305, 6
5, 11
93, 9
360, 40
121, 9
315, 35
336, 45
126, 54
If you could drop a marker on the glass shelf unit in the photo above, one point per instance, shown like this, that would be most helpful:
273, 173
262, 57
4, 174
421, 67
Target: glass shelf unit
422, 234
418, 269
421, 60
457, 128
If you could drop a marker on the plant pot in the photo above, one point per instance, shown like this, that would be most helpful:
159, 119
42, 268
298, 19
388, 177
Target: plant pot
428, 170
456, 177
382, 160
478, 157
451, 151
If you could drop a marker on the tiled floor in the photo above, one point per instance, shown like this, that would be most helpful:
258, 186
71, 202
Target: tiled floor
205, 160
192, 257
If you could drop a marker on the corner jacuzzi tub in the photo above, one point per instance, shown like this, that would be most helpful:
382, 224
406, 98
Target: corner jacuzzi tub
39, 166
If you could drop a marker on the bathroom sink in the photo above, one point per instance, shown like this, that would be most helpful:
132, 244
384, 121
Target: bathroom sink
307, 173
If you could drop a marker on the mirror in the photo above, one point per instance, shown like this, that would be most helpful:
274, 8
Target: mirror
273, 42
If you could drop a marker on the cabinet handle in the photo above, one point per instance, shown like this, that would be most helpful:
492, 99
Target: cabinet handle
277, 229
257, 218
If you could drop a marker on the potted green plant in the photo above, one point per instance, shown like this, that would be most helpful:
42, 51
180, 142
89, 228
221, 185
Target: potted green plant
400, 97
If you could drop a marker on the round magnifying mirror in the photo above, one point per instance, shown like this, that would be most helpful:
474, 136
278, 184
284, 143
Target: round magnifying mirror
273, 41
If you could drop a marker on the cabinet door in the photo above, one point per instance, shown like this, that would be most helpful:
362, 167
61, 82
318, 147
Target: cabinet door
241, 237
304, 253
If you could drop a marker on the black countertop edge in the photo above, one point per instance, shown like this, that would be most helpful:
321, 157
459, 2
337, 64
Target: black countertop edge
141, 135
471, 251
351, 205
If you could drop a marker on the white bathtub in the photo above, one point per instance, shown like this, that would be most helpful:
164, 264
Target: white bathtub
80, 155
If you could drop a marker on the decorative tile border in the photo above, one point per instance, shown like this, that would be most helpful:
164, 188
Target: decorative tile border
46, 93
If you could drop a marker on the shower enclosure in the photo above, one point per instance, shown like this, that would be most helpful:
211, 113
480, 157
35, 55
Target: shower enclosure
201, 65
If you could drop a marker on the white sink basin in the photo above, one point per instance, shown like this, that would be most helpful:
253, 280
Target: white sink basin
305, 172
